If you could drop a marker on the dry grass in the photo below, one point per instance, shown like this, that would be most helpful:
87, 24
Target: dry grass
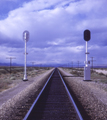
95, 76
17, 73
77, 72
99, 77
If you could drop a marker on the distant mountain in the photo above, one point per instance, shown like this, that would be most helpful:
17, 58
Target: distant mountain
52, 65
8, 64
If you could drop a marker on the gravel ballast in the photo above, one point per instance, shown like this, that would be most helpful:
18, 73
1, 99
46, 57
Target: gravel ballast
91, 95
8, 110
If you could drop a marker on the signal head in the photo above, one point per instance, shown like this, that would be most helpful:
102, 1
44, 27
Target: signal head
86, 35
26, 35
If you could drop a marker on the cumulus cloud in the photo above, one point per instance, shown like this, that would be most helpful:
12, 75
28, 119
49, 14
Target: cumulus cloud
55, 26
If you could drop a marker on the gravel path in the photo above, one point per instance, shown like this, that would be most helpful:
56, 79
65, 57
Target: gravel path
9, 93
13, 98
92, 96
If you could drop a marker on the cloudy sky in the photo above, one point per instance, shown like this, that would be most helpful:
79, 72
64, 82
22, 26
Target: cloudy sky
56, 30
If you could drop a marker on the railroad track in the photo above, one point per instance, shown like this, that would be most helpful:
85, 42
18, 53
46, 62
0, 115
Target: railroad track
54, 102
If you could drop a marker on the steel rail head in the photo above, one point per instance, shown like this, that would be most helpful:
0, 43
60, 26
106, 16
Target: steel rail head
28, 113
71, 98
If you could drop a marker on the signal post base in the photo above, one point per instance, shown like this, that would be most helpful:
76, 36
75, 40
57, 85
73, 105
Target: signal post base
25, 79
87, 73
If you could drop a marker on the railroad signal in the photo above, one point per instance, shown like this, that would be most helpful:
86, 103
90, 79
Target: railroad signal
25, 38
87, 66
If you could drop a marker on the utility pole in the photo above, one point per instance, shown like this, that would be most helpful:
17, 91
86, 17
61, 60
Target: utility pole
78, 64
10, 62
33, 64
68, 65
72, 64
92, 62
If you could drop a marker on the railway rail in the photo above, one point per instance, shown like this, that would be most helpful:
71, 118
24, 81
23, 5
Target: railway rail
54, 102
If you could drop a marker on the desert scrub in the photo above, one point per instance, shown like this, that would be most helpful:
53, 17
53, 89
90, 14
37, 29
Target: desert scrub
21, 73
99, 77
4, 84
12, 78
104, 81
3, 72
73, 72
80, 69
76, 73
33, 74
18, 75
101, 74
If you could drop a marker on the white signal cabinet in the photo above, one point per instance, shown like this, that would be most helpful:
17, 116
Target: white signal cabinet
87, 73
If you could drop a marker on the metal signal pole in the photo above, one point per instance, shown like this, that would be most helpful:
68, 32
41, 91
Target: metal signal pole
26, 38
